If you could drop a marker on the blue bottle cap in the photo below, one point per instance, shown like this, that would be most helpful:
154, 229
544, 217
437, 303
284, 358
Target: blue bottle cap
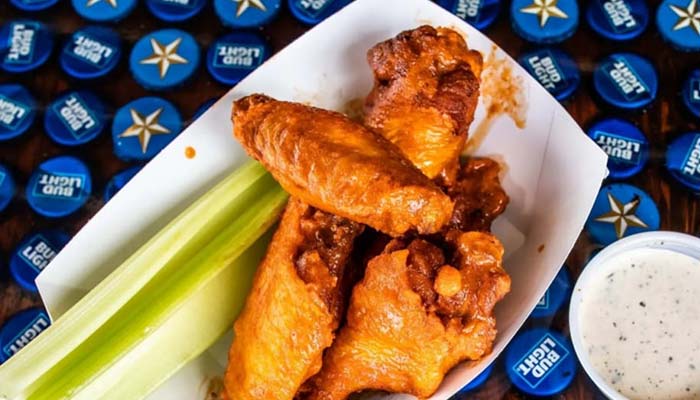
24, 45
33, 254
478, 13
621, 210
91, 52
544, 21
625, 144
175, 10
479, 380
691, 92
618, 19
246, 13
164, 59
203, 108
21, 329
59, 187
679, 23
144, 127
555, 297
17, 110
232, 57
553, 69
118, 181
75, 118
104, 10
314, 11
683, 160
33, 5
7, 188
626, 80
540, 362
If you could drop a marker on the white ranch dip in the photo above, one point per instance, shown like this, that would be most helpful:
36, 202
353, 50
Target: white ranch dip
640, 324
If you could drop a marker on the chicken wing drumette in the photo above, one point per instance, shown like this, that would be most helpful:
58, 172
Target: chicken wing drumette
426, 88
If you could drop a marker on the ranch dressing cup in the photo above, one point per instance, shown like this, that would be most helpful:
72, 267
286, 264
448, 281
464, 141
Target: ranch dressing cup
635, 318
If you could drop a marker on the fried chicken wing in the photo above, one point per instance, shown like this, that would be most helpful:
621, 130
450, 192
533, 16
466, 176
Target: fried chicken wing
339, 166
418, 312
426, 88
478, 195
296, 304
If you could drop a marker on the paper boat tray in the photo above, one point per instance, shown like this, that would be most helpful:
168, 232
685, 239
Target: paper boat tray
552, 177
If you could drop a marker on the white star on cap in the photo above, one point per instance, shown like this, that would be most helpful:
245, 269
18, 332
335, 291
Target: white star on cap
112, 3
622, 215
164, 56
243, 5
545, 9
688, 17
145, 127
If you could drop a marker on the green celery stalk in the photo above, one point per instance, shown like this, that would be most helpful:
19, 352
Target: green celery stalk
148, 288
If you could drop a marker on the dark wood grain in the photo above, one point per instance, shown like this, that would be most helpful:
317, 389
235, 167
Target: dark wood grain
662, 121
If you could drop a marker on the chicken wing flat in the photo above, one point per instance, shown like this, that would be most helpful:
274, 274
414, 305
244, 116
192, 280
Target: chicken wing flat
339, 166
418, 311
426, 88
295, 306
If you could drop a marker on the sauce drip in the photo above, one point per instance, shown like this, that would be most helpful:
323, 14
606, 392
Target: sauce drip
640, 322
190, 152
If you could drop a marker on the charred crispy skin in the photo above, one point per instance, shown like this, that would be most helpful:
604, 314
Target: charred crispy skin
295, 305
339, 166
478, 195
413, 317
426, 88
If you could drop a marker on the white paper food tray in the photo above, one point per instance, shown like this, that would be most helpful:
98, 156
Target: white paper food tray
553, 174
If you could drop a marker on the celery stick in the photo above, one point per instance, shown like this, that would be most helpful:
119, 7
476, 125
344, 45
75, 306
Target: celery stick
175, 246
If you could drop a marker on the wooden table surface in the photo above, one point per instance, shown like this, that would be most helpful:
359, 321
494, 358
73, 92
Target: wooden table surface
661, 122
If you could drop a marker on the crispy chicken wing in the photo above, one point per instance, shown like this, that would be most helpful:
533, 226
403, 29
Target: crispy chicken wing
426, 88
418, 312
478, 195
339, 166
296, 304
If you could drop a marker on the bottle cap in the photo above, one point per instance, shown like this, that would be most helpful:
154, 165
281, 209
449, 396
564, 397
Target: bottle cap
118, 181
104, 10
24, 45
142, 128
164, 59
679, 23
479, 380
540, 362
618, 19
91, 52
621, 210
75, 118
7, 188
17, 110
59, 187
203, 108
691, 92
312, 12
232, 57
33, 254
541, 21
625, 144
555, 297
246, 13
21, 329
683, 160
33, 5
553, 69
626, 80
175, 10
